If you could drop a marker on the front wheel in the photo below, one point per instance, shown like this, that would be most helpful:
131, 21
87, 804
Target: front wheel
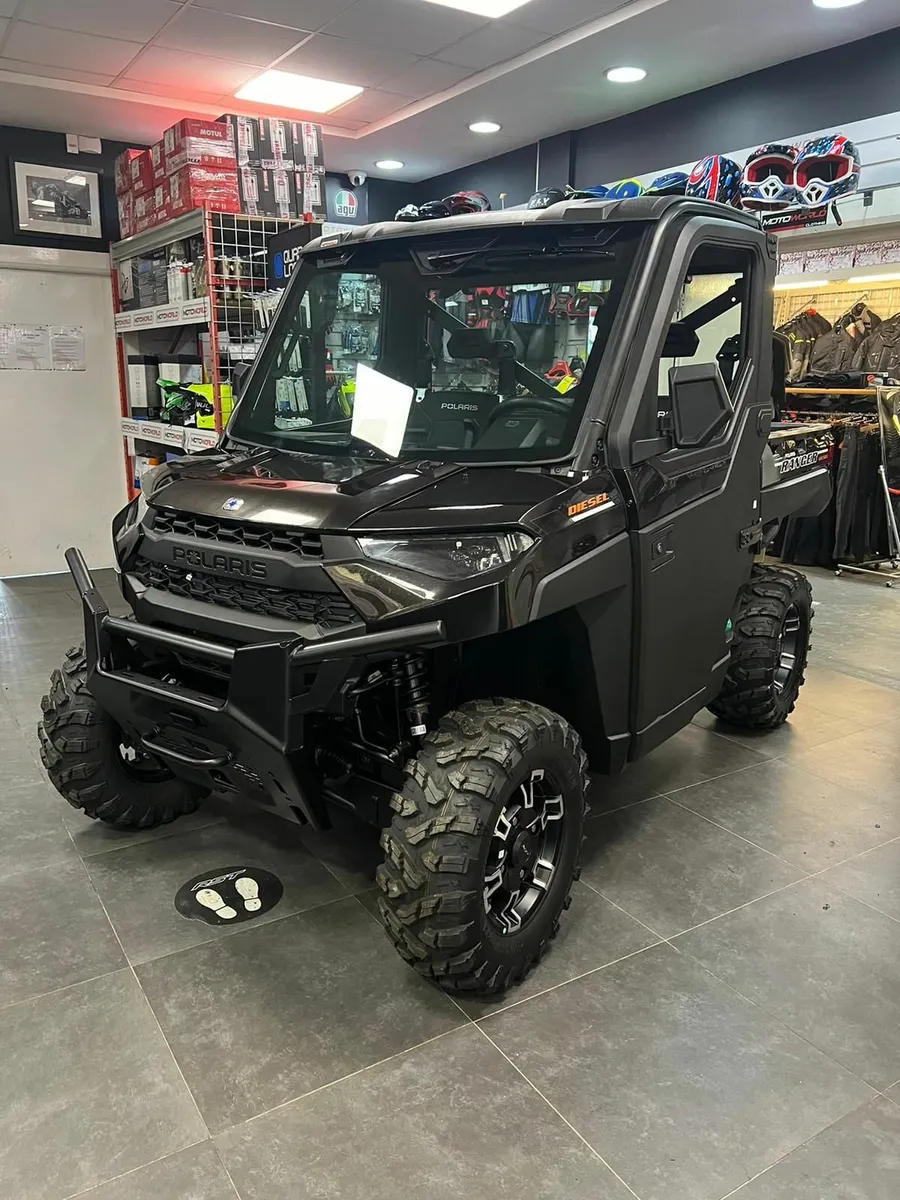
483, 850
93, 765
769, 651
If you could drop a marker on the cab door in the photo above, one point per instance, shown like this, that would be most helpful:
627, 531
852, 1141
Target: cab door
693, 445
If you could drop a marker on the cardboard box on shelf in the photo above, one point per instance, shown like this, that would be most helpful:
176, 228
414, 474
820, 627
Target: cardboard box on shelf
141, 172
245, 134
158, 161
122, 170
275, 146
125, 204
307, 152
204, 187
198, 143
309, 188
267, 193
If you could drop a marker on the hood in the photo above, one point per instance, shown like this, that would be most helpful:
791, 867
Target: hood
277, 488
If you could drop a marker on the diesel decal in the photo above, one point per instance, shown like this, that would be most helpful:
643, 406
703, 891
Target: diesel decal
210, 561
583, 506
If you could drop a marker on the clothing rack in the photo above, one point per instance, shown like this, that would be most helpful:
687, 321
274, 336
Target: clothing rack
832, 391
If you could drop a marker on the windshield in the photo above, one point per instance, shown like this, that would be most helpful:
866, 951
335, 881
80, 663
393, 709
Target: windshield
444, 349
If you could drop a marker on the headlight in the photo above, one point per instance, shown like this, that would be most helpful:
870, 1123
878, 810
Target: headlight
448, 557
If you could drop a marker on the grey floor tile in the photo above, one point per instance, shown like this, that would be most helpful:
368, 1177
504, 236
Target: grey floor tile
90, 1090
94, 837
19, 635
262, 1017
593, 933
843, 695
806, 727
57, 581
138, 884
193, 1174
685, 1088
449, 1119
799, 816
867, 762
857, 1158
608, 794
691, 756
821, 962
32, 833
873, 878
26, 606
54, 933
671, 869
351, 851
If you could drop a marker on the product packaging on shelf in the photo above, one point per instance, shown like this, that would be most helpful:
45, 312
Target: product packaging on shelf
144, 209
245, 135
309, 188
162, 202
122, 170
181, 368
158, 161
125, 204
306, 151
143, 393
141, 173
204, 187
275, 149
199, 143
267, 193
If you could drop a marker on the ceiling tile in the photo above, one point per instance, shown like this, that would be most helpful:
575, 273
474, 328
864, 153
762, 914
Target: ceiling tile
185, 91
325, 57
7, 7
134, 20
228, 37
404, 24
61, 48
13, 64
299, 14
178, 69
370, 106
495, 43
426, 78
558, 16
4, 25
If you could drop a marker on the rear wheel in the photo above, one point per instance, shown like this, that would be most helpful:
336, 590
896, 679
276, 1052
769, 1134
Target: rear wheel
484, 846
94, 765
769, 652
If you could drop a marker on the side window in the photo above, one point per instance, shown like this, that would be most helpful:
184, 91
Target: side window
708, 329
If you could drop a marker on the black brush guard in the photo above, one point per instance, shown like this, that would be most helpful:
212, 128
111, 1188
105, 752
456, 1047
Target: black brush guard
252, 742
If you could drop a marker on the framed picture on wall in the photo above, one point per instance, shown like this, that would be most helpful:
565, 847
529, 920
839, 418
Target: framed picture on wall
59, 201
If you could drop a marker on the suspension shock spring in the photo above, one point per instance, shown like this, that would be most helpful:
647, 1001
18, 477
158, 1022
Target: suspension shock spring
413, 686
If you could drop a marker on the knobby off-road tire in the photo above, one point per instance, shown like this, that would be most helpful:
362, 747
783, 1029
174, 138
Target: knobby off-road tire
769, 651
466, 791
80, 748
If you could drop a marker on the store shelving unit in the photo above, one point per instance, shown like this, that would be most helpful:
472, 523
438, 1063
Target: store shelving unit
222, 322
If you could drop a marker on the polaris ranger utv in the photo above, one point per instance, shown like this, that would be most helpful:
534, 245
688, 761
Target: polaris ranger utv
523, 546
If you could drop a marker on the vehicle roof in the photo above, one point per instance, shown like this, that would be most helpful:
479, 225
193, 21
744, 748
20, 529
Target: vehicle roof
638, 208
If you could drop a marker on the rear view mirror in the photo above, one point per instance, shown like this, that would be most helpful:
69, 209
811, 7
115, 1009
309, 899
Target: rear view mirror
701, 406
238, 377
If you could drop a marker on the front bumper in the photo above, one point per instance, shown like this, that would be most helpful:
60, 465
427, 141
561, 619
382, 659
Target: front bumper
253, 741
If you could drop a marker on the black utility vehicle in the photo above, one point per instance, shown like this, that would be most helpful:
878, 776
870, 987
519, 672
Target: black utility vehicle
486, 515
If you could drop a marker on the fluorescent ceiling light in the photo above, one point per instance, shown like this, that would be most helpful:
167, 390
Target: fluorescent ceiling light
483, 8
389, 164
283, 89
803, 284
873, 278
626, 74
485, 127
836, 3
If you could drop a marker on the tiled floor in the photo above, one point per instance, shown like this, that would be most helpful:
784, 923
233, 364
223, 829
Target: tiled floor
719, 1017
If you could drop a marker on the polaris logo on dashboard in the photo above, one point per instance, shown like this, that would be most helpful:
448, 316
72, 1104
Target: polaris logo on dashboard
230, 564
459, 408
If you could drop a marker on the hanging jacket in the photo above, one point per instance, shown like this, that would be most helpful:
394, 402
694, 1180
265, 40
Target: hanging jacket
879, 354
836, 349
802, 331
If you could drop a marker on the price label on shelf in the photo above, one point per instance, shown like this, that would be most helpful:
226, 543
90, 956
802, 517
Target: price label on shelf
195, 310
124, 322
167, 315
143, 318
132, 428
200, 439
153, 431
173, 435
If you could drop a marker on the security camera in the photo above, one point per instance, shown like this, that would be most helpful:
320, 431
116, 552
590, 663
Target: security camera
357, 178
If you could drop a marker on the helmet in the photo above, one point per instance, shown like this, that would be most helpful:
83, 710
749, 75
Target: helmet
546, 197
625, 189
599, 192
461, 203
827, 168
432, 210
767, 182
673, 184
594, 193
715, 178
409, 212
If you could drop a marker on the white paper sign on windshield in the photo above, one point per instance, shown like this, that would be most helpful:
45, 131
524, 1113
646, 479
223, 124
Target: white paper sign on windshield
380, 410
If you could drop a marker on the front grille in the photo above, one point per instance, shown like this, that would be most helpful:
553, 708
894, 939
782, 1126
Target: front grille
238, 533
327, 609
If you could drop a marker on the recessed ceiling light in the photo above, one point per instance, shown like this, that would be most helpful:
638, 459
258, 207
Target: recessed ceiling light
626, 74
389, 164
836, 3
483, 8
485, 127
284, 89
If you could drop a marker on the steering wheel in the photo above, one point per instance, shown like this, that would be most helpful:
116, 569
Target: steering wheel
529, 405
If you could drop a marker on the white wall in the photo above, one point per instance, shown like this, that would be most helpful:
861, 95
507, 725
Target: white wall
62, 475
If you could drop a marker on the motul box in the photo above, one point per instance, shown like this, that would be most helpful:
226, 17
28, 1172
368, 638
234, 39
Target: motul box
267, 193
198, 143
125, 204
310, 190
245, 133
123, 170
306, 150
158, 162
204, 187
141, 172
275, 147
162, 202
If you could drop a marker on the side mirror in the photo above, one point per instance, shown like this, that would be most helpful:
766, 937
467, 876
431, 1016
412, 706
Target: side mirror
238, 377
701, 406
